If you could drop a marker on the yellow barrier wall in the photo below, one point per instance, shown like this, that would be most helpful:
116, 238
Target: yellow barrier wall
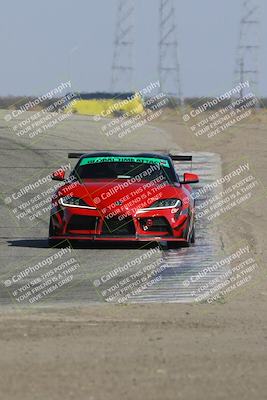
106, 107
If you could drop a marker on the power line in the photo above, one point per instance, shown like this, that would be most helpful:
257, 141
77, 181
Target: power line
248, 46
122, 65
168, 68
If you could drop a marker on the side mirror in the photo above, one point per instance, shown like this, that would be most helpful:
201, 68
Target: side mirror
58, 175
190, 178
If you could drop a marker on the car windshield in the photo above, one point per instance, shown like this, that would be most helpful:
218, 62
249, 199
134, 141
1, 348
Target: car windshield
147, 169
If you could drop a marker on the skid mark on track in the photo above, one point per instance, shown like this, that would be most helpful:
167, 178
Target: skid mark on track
184, 265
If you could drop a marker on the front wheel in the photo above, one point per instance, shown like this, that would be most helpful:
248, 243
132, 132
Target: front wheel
52, 242
177, 245
192, 238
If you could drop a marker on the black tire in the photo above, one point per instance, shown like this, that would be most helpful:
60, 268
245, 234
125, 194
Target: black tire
51, 229
177, 245
52, 242
192, 238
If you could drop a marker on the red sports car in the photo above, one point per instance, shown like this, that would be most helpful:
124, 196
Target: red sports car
123, 197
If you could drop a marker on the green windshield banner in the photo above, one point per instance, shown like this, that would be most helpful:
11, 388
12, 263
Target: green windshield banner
141, 160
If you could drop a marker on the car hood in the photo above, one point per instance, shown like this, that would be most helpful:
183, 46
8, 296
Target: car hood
121, 193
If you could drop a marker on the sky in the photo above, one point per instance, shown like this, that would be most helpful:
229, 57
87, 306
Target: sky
47, 42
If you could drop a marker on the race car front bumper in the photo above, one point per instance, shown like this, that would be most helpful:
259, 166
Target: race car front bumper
77, 224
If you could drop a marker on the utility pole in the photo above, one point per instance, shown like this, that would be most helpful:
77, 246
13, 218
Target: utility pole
248, 46
169, 68
122, 64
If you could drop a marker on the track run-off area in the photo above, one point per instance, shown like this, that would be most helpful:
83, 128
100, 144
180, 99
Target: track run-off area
93, 273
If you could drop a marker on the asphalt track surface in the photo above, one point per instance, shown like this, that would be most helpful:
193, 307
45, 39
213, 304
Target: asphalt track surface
90, 278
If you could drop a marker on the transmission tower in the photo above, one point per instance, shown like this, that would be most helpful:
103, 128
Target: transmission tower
122, 65
248, 46
169, 68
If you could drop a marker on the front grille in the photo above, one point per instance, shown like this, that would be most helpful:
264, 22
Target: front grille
81, 222
160, 224
114, 226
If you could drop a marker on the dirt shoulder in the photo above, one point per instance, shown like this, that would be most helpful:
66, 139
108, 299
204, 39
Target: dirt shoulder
127, 352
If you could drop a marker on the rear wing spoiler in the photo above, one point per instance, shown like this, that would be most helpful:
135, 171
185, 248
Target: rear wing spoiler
75, 155
181, 158
174, 157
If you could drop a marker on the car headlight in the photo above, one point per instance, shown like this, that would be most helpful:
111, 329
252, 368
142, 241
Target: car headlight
164, 203
74, 202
